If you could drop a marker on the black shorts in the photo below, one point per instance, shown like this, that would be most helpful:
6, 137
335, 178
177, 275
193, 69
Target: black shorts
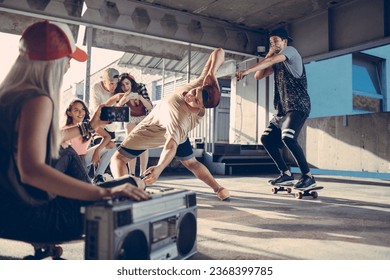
98, 139
184, 151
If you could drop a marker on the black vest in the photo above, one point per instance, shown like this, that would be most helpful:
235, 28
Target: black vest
290, 92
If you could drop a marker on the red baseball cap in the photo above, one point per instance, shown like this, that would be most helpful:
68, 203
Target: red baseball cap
48, 40
211, 96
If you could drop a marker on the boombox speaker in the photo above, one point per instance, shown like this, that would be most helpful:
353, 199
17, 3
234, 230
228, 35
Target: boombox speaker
163, 227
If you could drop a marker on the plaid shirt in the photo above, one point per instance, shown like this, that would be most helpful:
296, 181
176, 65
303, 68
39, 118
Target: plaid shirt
144, 92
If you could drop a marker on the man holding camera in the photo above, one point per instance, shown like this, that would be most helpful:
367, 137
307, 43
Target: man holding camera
104, 91
168, 126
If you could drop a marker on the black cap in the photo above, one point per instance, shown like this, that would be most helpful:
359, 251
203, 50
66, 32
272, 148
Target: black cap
282, 33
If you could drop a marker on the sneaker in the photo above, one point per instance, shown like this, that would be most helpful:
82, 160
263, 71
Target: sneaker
98, 179
222, 194
283, 179
305, 182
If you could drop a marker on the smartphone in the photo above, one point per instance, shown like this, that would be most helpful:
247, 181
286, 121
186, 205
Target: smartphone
133, 95
115, 114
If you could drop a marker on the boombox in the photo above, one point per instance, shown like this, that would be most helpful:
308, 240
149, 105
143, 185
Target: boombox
163, 227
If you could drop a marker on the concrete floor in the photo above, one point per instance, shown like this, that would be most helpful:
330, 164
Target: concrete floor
350, 220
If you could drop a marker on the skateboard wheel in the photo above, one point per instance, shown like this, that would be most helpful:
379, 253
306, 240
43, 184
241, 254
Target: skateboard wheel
57, 252
274, 190
298, 195
288, 190
314, 195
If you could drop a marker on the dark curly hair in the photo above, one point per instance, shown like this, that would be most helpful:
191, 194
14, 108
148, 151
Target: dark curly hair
134, 84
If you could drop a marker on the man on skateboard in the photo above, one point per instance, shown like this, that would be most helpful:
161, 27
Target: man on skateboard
292, 103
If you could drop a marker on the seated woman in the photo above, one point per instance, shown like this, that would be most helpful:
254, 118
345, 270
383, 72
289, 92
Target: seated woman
39, 203
71, 164
98, 156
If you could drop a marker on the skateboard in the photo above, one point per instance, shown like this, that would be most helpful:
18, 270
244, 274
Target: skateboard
282, 188
45, 250
308, 192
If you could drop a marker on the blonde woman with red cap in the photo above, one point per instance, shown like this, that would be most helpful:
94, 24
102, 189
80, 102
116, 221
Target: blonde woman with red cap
168, 125
37, 202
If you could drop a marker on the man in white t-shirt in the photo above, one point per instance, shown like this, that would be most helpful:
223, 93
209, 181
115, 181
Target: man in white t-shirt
168, 126
104, 90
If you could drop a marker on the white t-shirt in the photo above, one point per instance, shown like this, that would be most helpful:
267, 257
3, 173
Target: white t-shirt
100, 95
171, 118
293, 61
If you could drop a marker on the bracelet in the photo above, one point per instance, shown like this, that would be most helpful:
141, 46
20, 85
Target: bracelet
89, 127
83, 130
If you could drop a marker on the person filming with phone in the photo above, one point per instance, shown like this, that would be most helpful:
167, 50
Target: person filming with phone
134, 97
103, 93
98, 156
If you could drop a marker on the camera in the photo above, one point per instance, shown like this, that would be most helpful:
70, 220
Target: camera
115, 114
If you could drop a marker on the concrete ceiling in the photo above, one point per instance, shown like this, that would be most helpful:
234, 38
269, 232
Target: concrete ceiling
135, 25
252, 14
170, 28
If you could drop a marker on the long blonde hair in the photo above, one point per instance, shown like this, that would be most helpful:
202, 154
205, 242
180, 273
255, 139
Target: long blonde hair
45, 76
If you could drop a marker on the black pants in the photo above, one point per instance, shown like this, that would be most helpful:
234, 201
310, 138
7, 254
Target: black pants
71, 164
57, 220
284, 131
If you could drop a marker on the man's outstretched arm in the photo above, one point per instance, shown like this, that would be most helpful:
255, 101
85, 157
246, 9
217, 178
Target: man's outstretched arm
264, 67
167, 155
215, 60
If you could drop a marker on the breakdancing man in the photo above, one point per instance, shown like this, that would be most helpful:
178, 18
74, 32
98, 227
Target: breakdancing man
168, 126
